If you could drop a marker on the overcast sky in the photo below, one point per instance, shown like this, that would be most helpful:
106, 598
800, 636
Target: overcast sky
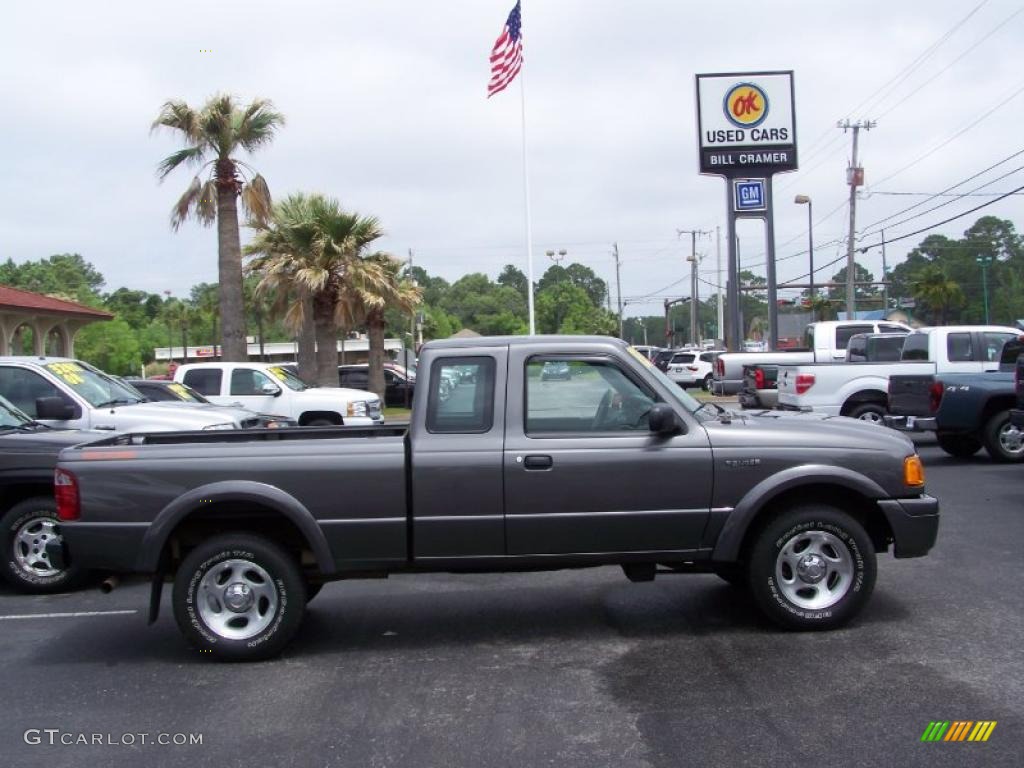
386, 110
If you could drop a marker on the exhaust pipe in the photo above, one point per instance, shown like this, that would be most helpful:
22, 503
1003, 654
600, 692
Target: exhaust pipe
109, 584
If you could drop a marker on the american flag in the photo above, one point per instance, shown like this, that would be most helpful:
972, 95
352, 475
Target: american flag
507, 54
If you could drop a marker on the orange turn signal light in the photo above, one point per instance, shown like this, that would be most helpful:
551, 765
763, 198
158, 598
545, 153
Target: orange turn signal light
913, 471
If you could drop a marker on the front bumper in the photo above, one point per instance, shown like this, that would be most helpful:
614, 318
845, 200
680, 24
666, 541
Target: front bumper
914, 523
911, 423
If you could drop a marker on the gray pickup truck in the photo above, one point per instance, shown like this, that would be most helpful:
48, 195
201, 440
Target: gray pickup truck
508, 471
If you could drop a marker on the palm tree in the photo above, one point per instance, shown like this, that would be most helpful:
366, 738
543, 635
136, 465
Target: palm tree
309, 251
937, 292
212, 136
368, 301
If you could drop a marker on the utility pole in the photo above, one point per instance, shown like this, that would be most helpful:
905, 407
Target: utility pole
618, 283
720, 334
855, 178
693, 276
885, 280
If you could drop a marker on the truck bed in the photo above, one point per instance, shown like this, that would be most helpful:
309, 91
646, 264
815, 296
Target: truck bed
252, 435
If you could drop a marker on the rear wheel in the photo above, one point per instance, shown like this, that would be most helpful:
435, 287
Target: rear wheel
240, 597
1003, 441
25, 530
706, 384
812, 567
961, 446
870, 412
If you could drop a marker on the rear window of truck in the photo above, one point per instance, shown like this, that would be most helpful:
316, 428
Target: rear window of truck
461, 395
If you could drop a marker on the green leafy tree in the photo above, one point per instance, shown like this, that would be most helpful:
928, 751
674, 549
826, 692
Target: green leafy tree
513, 277
862, 293
111, 346
937, 292
213, 135
566, 308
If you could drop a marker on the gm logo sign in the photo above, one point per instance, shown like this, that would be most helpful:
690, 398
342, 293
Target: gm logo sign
749, 195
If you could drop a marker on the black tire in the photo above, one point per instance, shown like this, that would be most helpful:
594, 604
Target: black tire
789, 599
321, 422
960, 446
873, 413
706, 384
1002, 440
25, 529
217, 565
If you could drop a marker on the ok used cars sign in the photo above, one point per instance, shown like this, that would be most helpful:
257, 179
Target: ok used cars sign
746, 122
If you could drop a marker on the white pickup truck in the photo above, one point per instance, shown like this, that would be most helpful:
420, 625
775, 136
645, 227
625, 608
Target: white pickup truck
70, 394
860, 390
273, 389
824, 342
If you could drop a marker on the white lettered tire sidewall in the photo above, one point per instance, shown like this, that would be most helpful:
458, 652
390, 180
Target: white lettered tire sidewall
10, 523
774, 536
286, 580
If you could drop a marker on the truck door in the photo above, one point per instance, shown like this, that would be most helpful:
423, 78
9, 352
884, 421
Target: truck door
457, 440
583, 472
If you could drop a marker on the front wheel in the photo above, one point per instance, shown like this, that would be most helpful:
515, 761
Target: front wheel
812, 568
1003, 441
26, 529
240, 597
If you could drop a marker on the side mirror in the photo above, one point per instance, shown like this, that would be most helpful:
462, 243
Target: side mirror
662, 419
54, 409
270, 389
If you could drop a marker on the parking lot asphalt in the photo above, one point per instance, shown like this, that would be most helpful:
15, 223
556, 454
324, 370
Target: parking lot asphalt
573, 668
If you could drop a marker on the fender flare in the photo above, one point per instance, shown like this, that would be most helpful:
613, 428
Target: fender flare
727, 547
167, 520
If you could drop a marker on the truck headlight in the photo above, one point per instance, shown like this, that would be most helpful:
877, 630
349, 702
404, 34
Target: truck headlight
226, 425
356, 408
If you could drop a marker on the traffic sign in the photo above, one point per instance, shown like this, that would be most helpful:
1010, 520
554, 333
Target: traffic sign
748, 195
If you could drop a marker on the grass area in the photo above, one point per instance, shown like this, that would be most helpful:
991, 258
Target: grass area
397, 414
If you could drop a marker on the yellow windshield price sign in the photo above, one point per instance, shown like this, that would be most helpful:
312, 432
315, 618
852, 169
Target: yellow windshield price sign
278, 373
180, 391
69, 372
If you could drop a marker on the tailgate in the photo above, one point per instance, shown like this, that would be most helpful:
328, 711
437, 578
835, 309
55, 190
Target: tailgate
910, 394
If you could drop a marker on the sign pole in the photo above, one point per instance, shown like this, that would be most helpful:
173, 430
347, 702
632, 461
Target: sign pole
733, 331
773, 294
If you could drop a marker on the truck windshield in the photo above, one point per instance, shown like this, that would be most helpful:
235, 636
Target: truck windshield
98, 389
287, 378
11, 416
680, 394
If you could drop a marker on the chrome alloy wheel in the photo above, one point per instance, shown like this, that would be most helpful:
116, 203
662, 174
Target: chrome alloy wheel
30, 546
237, 599
1011, 439
814, 570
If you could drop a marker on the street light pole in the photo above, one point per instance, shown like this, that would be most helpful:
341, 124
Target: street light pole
984, 262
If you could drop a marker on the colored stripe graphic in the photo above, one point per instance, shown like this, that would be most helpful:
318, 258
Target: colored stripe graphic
958, 730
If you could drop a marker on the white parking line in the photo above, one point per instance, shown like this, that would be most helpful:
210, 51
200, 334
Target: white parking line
65, 615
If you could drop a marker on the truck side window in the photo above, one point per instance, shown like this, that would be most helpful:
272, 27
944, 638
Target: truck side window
461, 395
22, 387
843, 333
958, 348
916, 347
205, 381
246, 382
994, 344
594, 396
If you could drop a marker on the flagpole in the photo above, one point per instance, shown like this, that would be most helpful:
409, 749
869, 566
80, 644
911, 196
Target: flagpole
526, 200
